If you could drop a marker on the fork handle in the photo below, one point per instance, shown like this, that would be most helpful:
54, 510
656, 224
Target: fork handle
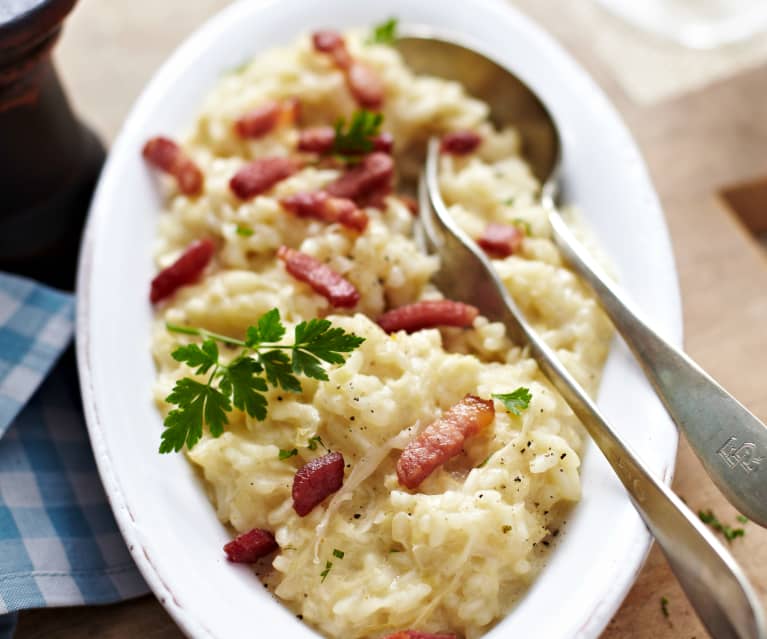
729, 440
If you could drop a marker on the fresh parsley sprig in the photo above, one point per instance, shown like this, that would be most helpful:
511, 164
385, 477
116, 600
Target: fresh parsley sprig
349, 143
241, 383
384, 33
516, 401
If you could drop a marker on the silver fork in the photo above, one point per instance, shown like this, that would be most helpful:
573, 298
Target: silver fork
714, 583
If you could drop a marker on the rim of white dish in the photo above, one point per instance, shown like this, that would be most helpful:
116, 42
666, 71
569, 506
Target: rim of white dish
213, 29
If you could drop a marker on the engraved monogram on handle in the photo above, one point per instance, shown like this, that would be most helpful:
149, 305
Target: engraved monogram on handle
743, 455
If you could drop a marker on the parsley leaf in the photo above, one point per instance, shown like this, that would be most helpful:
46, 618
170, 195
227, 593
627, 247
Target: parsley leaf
324, 574
358, 138
203, 357
279, 371
244, 231
197, 403
321, 339
338, 553
742, 519
515, 401
384, 33
269, 328
242, 382
285, 454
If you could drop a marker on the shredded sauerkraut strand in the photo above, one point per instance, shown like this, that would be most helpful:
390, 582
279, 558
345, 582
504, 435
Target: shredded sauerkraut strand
363, 469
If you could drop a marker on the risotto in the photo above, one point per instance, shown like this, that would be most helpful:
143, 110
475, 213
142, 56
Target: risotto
375, 557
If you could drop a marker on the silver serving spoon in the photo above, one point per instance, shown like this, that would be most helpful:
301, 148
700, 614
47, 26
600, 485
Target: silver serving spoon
714, 583
728, 439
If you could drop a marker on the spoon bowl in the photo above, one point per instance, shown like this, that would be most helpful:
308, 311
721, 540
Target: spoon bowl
511, 101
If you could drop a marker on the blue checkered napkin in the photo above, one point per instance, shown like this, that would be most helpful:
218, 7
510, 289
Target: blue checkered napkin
59, 544
36, 324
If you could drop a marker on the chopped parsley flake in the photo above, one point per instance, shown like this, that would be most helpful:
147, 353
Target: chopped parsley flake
484, 463
664, 606
244, 231
516, 401
729, 533
314, 441
285, 454
384, 33
742, 519
524, 225
324, 574
338, 553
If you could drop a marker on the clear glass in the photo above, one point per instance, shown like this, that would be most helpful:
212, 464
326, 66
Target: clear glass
699, 24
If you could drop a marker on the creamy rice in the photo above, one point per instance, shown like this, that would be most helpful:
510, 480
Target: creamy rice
453, 555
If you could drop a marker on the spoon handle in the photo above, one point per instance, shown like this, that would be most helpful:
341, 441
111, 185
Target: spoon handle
730, 442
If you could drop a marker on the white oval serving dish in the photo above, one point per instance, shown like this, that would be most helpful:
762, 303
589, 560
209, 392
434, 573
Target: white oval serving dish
160, 505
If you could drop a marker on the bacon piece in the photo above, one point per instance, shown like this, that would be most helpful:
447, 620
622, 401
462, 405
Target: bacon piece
501, 240
261, 175
414, 634
316, 480
164, 154
373, 174
317, 139
249, 547
363, 83
267, 117
460, 142
326, 41
339, 291
443, 439
185, 270
428, 314
321, 206
383, 142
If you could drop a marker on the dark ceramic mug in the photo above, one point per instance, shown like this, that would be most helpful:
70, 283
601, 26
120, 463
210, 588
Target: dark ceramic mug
49, 161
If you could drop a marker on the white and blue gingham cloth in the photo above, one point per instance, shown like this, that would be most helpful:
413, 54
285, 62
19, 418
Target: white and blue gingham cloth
59, 543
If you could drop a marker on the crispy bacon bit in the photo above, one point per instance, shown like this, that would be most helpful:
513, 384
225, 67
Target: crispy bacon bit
261, 175
249, 547
185, 270
460, 142
384, 142
443, 439
339, 291
501, 240
317, 139
327, 41
267, 117
414, 634
428, 314
363, 82
365, 85
164, 154
373, 174
321, 206
316, 480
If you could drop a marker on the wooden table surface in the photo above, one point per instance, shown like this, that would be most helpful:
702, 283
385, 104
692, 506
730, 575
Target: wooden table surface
694, 145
